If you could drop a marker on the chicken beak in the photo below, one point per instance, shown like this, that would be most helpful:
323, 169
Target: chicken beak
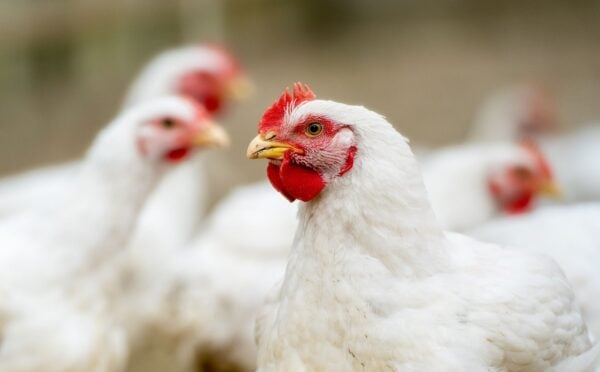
211, 135
261, 148
240, 88
551, 190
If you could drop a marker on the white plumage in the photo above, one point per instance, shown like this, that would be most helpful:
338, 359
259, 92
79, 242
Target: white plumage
31, 189
568, 234
238, 222
202, 300
373, 283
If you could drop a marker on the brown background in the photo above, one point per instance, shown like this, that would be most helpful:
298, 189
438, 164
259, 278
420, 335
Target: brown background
427, 65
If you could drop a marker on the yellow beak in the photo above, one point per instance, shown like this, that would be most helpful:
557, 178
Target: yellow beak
212, 135
240, 88
261, 148
551, 190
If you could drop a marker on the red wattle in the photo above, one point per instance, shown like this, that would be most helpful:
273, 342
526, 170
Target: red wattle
275, 179
212, 103
519, 205
299, 181
177, 155
295, 181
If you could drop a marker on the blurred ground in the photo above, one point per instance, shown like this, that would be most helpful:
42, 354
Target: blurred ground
426, 65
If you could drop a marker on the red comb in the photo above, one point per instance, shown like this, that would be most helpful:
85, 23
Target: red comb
535, 151
273, 116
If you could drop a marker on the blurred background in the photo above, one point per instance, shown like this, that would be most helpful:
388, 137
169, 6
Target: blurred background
427, 65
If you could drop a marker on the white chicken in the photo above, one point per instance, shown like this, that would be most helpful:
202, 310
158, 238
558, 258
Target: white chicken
570, 235
472, 183
212, 77
373, 283
530, 112
56, 272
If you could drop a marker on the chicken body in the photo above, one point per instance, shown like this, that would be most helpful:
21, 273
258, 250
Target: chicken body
57, 272
23, 192
238, 222
50, 264
373, 283
570, 235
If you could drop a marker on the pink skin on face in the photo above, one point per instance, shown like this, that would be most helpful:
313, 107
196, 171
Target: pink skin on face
315, 157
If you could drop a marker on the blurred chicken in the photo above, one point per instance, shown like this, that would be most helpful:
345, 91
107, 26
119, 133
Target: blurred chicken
196, 308
513, 113
201, 303
34, 188
568, 234
373, 283
530, 112
211, 76
57, 272
472, 183
238, 222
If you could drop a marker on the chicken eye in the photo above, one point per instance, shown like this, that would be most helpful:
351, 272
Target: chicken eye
167, 123
313, 129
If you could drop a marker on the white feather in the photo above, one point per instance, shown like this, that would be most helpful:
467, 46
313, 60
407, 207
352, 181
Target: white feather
568, 234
